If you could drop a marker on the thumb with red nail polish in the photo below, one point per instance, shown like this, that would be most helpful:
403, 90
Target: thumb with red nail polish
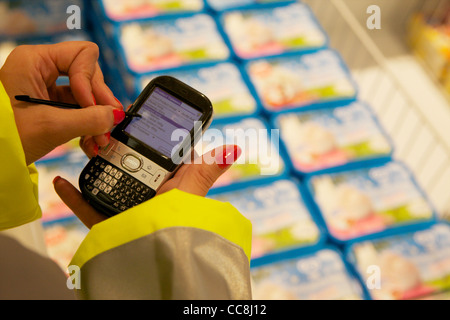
199, 176
228, 155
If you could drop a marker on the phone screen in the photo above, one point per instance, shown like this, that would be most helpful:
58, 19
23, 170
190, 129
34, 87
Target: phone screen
162, 114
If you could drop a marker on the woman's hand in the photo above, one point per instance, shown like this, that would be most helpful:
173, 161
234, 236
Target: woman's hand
195, 178
33, 70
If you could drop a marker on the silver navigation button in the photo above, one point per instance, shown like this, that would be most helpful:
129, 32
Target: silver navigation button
131, 162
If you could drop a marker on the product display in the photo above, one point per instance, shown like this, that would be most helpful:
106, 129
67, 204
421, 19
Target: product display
67, 162
329, 138
358, 203
62, 239
272, 31
161, 44
222, 83
302, 81
319, 276
260, 159
328, 201
63, 231
123, 10
279, 216
412, 266
220, 5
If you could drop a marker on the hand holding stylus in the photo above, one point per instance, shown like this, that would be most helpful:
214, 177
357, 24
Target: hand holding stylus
33, 70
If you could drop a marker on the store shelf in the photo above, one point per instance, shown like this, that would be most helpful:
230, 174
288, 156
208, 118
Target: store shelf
407, 100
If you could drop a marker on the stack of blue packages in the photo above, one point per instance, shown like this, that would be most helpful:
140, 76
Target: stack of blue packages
410, 265
316, 177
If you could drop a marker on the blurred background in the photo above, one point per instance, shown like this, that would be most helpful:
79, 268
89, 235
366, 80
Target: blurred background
360, 91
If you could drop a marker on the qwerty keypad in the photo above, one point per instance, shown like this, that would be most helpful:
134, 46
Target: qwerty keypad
115, 187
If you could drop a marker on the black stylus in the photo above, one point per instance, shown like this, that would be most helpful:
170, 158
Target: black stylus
61, 105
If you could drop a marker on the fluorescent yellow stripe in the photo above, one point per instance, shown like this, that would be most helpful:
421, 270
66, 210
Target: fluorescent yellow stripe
171, 209
18, 183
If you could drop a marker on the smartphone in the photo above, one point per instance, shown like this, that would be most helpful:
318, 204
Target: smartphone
144, 152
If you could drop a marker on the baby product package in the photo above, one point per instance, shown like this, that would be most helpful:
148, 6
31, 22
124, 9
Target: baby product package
305, 81
152, 45
272, 31
222, 83
414, 265
322, 275
62, 239
25, 18
113, 68
361, 203
321, 140
260, 159
280, 218
220, 5
127, 10
68, 166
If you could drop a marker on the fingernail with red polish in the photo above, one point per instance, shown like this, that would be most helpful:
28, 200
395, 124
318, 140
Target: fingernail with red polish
95, 150
228, 157
119, 115
56, 179
118, 102
108, 136
93, 99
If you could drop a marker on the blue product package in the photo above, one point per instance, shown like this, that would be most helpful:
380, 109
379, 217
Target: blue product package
414, 265
221, 5
373, 201
63, 238
24, 18
281, 222
152, 45
120, 85
125, 10
222, 83
322, 275
69, 165
301, 81
272, 31
321, 140
260, 159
